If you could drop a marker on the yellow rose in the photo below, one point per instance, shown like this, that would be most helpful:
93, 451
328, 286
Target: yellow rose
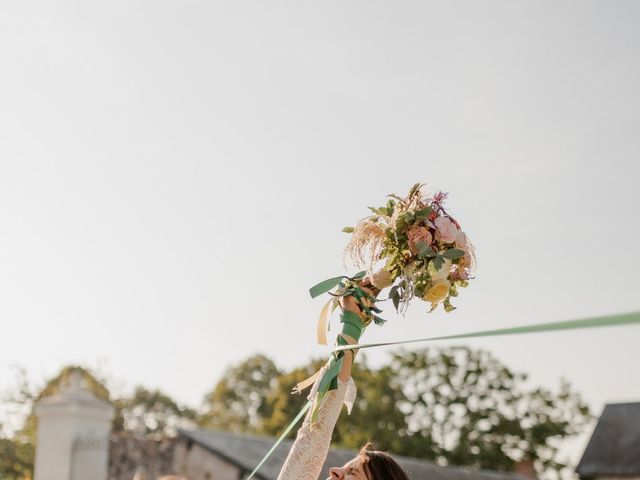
438, 292
443, 273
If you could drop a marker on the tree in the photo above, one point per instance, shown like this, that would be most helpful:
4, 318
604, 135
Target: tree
280, 405
463, 407
146, 412
16, 458
235, 402
375, 416
453, 406
92, 382
151, 412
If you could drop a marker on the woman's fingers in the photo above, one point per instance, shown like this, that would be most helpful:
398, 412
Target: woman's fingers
350, 303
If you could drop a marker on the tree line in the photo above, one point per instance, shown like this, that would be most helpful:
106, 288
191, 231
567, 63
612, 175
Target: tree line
453, 406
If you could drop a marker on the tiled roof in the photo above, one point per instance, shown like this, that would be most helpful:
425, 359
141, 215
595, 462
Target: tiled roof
246, 451
614, 448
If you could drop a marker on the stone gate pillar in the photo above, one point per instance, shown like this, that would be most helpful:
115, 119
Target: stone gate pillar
73, 434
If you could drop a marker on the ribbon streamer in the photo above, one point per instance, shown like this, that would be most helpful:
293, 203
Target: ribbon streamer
323, 321
307, 383
608, 321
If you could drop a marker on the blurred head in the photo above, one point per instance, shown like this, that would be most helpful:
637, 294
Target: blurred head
369, 465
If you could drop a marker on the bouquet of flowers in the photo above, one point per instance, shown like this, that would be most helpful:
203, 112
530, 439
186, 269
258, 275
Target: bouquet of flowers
425, 252
411, 245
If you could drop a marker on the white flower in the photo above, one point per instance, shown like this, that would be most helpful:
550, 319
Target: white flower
382, 279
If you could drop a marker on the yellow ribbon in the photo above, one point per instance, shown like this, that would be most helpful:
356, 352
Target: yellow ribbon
323, 324
307, 383
323, 321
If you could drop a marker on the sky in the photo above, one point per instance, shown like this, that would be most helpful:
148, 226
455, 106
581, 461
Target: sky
174, 176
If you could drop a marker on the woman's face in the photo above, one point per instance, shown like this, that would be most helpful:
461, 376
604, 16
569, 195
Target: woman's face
352, 470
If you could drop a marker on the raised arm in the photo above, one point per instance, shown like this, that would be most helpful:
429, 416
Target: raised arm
310, 449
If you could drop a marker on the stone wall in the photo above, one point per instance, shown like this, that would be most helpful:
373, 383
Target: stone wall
134, 456
197, 463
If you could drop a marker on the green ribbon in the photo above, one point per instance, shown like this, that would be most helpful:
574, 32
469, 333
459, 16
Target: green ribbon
331, 373
608, 321
325, 286
351, 324
331, 283
329, 381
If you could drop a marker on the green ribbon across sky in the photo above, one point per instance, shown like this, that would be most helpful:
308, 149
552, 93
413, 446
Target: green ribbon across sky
607, 321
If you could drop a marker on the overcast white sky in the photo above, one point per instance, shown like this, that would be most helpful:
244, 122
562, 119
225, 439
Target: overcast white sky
174, 176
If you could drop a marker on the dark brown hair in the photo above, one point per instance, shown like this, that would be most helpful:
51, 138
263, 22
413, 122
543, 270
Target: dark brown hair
380, 465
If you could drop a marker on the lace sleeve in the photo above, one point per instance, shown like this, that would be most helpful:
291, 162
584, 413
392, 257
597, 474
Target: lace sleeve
310, 449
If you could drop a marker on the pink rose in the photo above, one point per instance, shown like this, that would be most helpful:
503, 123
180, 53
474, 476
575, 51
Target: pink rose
461, 241
446, 230
417, 235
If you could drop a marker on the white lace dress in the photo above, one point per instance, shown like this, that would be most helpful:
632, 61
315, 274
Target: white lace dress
310, 449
